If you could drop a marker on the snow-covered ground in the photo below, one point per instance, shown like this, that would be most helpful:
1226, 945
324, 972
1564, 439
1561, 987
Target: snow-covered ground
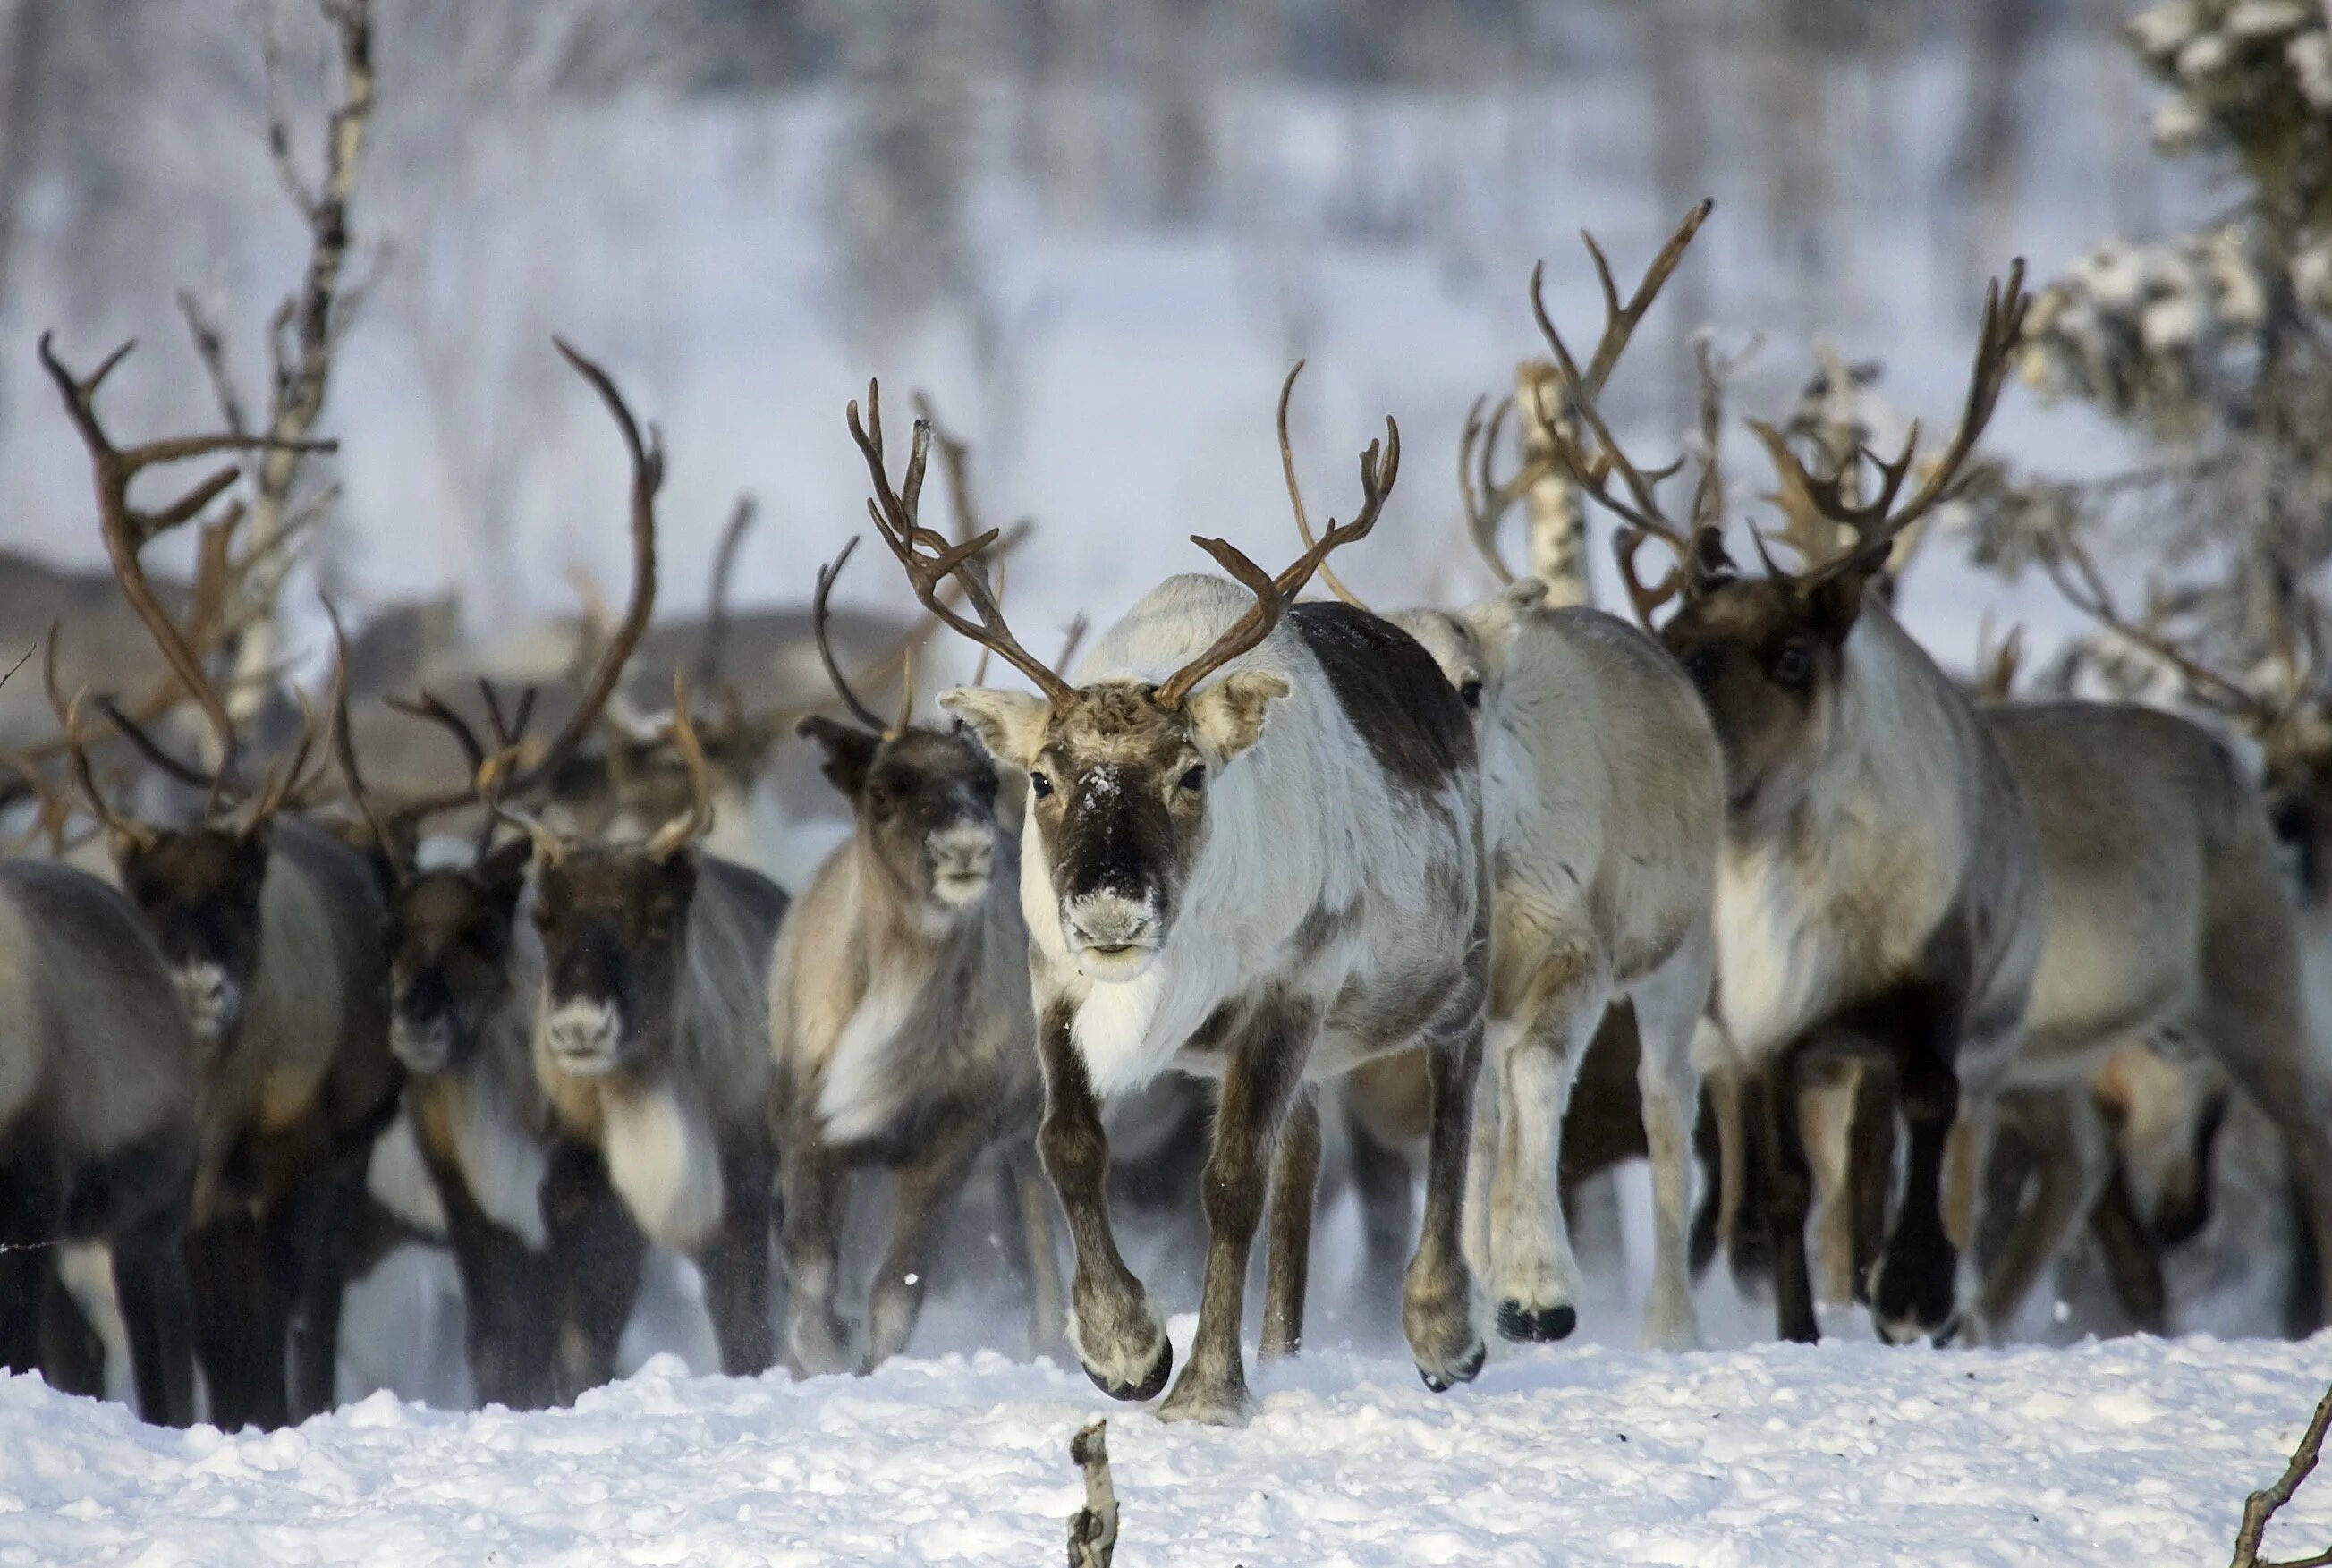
2129, 1452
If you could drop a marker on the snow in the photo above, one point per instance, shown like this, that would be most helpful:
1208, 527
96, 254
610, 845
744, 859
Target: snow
2127, 1451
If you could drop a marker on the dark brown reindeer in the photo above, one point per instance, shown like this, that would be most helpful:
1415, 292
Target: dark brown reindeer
1879, 887
1252, 850
546, 1254
651, 1040
98, 1108
271, 928
899, 1020
651, 1023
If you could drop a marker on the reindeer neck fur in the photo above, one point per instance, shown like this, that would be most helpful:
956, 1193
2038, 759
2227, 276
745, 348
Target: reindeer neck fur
490, 1116
1309, 845
313, 1009
883, 1006
663, 1125
1840, 888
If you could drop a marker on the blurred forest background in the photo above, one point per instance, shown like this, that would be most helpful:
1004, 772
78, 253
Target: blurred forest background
1097, 233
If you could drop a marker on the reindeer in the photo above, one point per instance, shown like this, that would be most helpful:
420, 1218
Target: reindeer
649, 1035
1603, 807
270, 928
1880, 886
899, 1020
464, 976
1265, 879
98, 1128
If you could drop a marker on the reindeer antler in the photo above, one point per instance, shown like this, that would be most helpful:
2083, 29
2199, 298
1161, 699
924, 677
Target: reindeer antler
1878, 523
1296, 494
696, 819
929, 560
127, 529
1487, 507
828, 575
1380, 467
77, 754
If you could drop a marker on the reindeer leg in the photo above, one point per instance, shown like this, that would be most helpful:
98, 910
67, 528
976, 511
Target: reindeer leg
1913, 1289
238, 1343
817, 1342
1667, 1009
1260, 1086
596, 1253
1029, 1216
321, 1217
1386, 1188
2133, 1265
1826, 1110
1119, 1336
1438, 1297
2074, 1167
1785, 1183
928, 1189
736, 1263
1287, 1255
1534, 1277
150, 1275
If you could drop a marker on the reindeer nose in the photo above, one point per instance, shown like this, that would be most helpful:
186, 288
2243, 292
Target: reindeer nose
582, 1037
963, 858
1110, 923
208, 998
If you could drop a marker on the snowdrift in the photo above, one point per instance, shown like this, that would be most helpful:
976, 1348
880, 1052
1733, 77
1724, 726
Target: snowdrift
2128, 1452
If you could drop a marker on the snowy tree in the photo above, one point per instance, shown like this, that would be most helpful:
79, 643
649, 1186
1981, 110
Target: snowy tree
2210, 349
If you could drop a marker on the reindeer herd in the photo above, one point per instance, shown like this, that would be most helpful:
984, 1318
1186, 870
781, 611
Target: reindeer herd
1510, 891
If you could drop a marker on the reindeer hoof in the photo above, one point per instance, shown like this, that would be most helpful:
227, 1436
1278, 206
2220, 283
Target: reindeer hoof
1465, 1372
1537, 1325
1151, 1380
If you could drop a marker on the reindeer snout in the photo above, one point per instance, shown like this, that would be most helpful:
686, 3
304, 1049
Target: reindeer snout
209, 998
962, 859
1111, 932
422, 1044
582, 1037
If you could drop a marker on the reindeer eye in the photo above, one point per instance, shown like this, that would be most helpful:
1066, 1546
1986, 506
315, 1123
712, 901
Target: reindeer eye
1041, 784
1793, 665
1470, 693
1195, 779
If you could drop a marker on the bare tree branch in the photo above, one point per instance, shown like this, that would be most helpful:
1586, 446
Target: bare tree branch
2261, 1505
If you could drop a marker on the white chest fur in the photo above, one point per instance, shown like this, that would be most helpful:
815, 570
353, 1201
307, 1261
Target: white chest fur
662, 1161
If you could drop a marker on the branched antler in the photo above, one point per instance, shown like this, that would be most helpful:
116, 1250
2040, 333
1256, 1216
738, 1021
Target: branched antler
1877, 523
1380, 467
930, 561
1296, 494
127, 529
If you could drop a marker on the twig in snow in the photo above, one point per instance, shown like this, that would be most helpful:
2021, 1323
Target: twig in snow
1093, 1529
2261, 1505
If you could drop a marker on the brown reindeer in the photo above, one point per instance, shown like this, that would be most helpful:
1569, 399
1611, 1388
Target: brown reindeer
271, 930
1879, 887
899, 1016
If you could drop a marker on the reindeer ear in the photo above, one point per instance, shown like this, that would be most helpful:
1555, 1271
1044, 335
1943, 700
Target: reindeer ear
1011, 724
503, 869
1835, 601
1525, 593
1228, 714
849, 752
